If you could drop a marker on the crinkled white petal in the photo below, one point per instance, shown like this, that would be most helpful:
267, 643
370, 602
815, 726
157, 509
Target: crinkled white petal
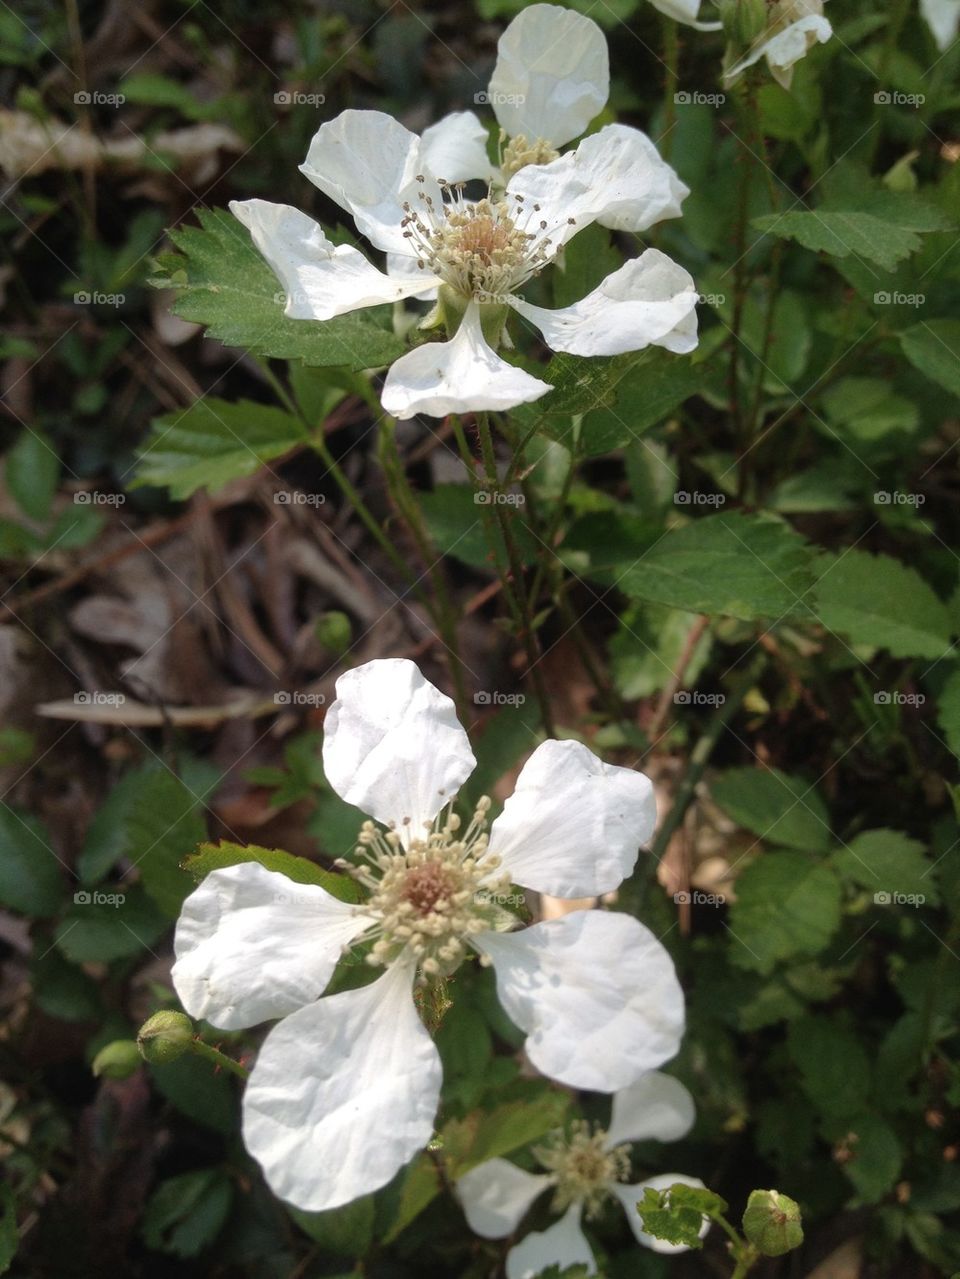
615, 177
943, 19
630, 1196
685, 11
574, 824
455, 149
393, 745
368, 163
252, 945
784, 49
321, 279
649, 301
596, 993
563, 1244
656, 1107
343, 1093
552, 74
401, 266
464, 375
496, 1194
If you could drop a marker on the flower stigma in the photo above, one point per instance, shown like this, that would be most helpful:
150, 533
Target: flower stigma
582, 1167
432, 893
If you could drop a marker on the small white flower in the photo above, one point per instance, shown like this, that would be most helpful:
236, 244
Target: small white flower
943, 19
405, 196
793, 27
345, 1089
583, 1170
687, 12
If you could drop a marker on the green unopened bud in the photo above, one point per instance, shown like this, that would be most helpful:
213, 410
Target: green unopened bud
771, 1223
333, 631
745, 21
116, 1060
165, 1036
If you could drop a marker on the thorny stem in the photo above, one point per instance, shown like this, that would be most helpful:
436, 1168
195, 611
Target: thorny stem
207, 1051
741, 280
671, 58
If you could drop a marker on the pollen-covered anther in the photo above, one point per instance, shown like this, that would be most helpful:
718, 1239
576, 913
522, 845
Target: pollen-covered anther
583, 1168
521, 151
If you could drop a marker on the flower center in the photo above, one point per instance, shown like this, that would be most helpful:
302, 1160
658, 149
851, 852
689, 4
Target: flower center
583, 1168
432, 893
482, 249
520, 151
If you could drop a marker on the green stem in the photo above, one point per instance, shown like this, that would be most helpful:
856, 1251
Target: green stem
671, 58
207, 1051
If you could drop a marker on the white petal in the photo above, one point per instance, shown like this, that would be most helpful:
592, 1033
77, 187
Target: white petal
574, 825
615, 177
685, 11
943, 18
495, 1196
393, 745
464, 375
596, 993
321, 279
630, 1196
552, 74
343, 1093
455, 148
784, 49
252, 945
368, 163
657, 1106
400, 266
649, 301
563, 1245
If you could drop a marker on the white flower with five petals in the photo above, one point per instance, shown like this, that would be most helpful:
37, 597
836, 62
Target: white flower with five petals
345, 1089
584, 1170
405, 195
792, 28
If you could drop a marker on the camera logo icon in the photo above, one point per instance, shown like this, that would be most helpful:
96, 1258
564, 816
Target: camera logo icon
882, 98
682, 99
82, 898
282, 699
682, 899
482, 99
881, 899
481, 699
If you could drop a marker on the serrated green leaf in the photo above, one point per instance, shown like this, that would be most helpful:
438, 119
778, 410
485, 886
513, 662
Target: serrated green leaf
459, 525
781, 809
787, 905
874, 1157
298, 869
212, 443
888, 863
668, 1216
833, 1064
223, 283
185, 1213
876, 600
933, 347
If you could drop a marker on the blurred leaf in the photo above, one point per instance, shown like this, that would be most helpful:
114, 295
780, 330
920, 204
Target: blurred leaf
214, 442
933, 347
185, 1213
948, 710
786, 905
458, 524
888, 862
833, 1064
97, 930
298, 869
875, 1157
30, 879
33, 472
9, 1235
63, 990
346, 1231
198, 1091
782, 810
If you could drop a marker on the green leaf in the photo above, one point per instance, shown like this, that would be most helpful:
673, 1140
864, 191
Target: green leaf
881, 226
458, 523
888, 863
224, 283
782, 810
746, 566
114, 924
185, 1213
197, 1091
63, 990
876, 600
875, 1157
786, 905
212, 443
933, 347
676, 1217
32, 473
833, 1064
30, 880
948, 711
9, 1235
346, 1231
215, 856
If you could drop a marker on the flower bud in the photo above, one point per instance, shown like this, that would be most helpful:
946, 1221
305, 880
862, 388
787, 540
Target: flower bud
116, 1060
745, 21
165, 1036
771, 1223
333, 631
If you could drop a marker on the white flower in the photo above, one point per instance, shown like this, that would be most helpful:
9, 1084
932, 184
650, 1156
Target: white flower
793, 27
345, 1089
686, 11
943, 19
405, 195
583, 1170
